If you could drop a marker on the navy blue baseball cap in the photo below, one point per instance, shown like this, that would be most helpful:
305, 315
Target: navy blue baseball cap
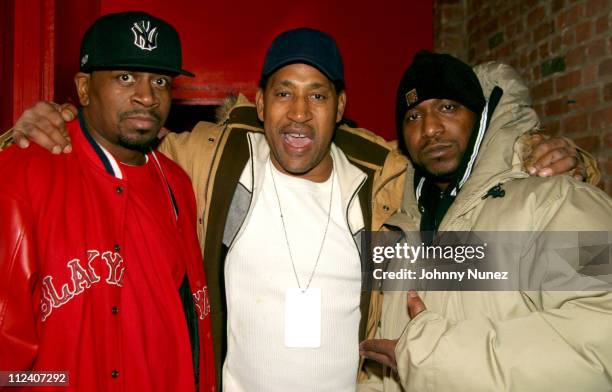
307, 46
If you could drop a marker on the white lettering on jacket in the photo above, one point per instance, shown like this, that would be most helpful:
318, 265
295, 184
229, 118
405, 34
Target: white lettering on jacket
202, 302
82, 277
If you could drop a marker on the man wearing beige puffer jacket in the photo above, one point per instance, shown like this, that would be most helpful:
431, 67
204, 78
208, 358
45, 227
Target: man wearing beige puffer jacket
466, 180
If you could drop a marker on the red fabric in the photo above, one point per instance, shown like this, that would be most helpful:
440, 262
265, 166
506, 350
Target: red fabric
70, 252
155, 266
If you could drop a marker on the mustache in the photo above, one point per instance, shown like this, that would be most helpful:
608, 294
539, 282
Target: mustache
433, 140
141, 112
297, 127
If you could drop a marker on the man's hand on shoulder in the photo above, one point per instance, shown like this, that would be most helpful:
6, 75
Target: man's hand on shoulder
45, 124
550, 156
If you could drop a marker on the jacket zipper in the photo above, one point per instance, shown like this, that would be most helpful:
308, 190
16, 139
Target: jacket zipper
214, 157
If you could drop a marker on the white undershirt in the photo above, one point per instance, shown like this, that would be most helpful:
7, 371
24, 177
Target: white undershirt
257, 273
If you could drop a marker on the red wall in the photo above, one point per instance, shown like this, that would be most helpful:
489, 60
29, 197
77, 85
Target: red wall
225, 42
26, 70
72, 18
6, 65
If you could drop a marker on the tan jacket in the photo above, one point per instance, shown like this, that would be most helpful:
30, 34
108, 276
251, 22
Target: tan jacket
504, 340
215, 157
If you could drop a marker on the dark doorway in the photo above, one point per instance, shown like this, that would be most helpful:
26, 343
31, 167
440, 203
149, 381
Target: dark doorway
183, 118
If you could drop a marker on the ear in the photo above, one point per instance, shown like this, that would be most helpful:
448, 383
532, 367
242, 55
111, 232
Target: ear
82, 80
341, 106
259, 103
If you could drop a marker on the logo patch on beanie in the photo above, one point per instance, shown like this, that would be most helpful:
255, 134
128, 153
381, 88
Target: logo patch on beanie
411, 97
145, 37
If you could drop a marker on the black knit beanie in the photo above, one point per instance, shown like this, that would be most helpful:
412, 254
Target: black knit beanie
437, 76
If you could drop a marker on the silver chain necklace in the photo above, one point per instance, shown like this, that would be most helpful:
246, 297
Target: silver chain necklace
287, 237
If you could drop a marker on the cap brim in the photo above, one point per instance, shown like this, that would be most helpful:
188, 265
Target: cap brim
187, 73
143, 67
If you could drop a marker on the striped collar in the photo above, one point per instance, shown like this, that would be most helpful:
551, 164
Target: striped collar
113, 168
111, 165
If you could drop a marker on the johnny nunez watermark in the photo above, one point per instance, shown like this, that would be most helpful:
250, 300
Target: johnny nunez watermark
398, 260
435, 274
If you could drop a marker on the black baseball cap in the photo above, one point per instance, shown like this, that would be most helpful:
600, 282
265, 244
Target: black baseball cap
308, 46
132, 40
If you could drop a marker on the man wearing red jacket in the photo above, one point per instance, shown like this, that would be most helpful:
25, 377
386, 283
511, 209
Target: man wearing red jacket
100, 270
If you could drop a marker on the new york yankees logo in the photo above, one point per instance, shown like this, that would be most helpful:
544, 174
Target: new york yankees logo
145, 37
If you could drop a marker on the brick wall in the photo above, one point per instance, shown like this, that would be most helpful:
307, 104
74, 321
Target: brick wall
563, 50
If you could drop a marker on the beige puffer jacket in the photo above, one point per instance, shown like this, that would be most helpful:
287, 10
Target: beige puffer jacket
504, 340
